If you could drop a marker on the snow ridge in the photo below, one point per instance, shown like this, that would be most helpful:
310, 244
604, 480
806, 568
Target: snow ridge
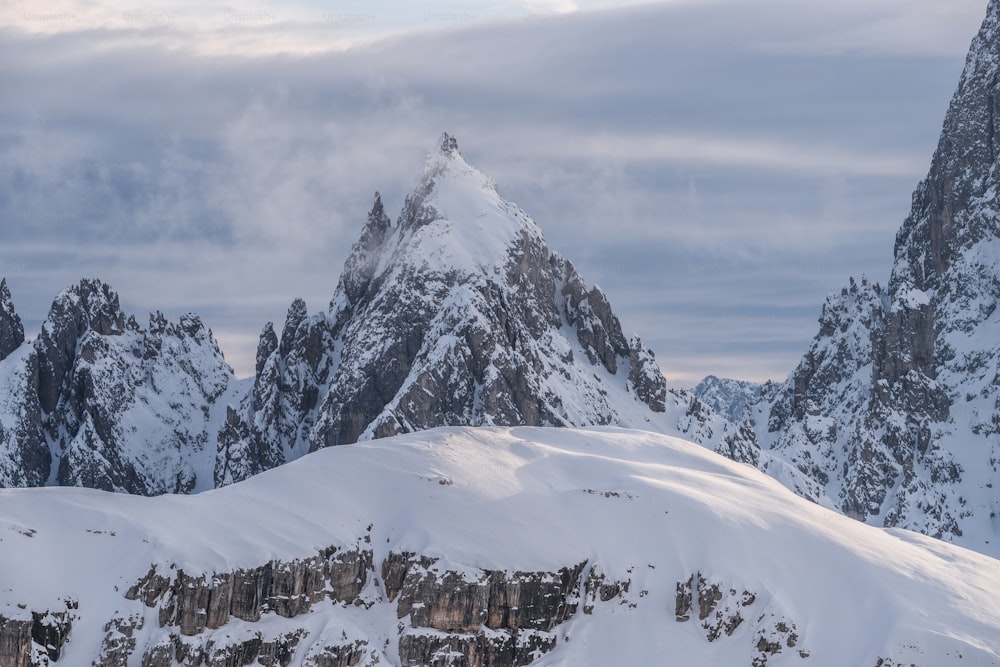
499, 546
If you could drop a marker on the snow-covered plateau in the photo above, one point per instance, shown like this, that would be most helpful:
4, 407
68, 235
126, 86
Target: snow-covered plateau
484, 546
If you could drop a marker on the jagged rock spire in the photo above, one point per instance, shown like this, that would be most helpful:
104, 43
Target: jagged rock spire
266, 346
90, 305
97, 401
11, 329
359, 269
963, 171
448, 145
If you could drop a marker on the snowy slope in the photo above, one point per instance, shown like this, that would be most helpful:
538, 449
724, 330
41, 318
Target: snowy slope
661, 547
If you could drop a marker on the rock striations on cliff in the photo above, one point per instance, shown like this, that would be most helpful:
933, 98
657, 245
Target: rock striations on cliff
895, 409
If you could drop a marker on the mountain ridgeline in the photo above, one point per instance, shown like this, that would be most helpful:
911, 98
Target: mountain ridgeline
456, 314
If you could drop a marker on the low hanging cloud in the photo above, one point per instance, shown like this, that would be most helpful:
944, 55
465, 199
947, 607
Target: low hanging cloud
717, 167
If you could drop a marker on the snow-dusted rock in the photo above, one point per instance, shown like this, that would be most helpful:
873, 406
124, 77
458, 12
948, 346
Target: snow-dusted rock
730, 398
456, 314
11, 329
895, 409
98, 401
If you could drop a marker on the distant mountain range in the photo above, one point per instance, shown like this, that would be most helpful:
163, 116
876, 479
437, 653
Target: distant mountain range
457, 313
457, 533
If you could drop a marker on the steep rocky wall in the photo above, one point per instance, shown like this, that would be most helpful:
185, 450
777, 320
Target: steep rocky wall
481, 618
36, 641
446, 617
193, 603
11, 329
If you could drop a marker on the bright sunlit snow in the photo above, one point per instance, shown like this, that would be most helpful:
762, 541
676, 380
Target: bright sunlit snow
645, 508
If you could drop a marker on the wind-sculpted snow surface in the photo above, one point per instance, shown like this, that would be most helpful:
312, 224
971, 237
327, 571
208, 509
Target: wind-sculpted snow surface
457, 314
895, 409
484, 546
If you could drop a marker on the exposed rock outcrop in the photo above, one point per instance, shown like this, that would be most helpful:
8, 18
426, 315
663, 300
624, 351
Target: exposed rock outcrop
488, 617
98, 401
721, 611
11, 329
36, 641
193, 603
894, 412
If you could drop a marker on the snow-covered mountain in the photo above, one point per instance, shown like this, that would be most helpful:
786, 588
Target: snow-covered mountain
484, 546
457, 314
895, 409
730, 398
98, 401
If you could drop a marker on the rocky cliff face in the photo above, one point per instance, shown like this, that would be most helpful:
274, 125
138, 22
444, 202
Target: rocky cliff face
24, 454
447, 618
37, 640
457, 313
11, 329
895, 409
98, 401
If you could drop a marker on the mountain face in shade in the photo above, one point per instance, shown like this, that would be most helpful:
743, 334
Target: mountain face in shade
895, 408
11, 329
456, 314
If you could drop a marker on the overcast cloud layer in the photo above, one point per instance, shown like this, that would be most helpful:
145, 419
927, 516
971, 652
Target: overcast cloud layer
717, 167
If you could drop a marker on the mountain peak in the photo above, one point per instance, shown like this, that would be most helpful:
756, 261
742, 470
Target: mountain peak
448, 145
11, 329
455, 219
459, 314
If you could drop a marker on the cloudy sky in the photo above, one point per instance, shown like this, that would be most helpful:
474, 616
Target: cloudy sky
717, 166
